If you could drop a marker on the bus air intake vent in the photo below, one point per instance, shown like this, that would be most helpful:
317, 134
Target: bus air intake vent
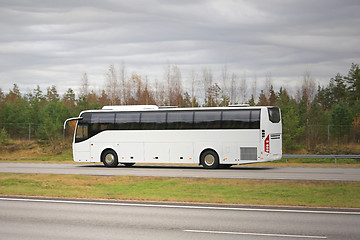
248, 153
275, 136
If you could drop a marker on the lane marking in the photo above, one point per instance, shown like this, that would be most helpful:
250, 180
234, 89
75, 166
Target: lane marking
173, 206
257, 234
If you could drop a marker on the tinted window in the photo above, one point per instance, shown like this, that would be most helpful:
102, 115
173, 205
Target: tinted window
207, 119
107, 118
274, 114
239, 119
100, 122
82, 130
127, 121
153, 120
92, 124
180, 120
255, 119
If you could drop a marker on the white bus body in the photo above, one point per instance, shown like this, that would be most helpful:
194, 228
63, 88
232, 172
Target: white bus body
212, 137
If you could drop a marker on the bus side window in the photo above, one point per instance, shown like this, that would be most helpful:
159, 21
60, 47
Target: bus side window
238, 119
180, 120
255, 119
127, 121
153, 120
100, 122
207, 120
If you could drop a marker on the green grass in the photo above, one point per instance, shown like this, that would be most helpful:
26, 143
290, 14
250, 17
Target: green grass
226, 191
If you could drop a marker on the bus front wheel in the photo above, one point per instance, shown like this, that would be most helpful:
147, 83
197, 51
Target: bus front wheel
109, 158
209, 159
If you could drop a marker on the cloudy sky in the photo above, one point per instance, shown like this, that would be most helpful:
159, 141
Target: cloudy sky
54, 42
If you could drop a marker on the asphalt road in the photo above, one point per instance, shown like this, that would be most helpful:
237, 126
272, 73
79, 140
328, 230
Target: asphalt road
236, 172
35, 218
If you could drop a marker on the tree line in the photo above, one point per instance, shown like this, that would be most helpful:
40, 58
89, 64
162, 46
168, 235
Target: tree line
315, 115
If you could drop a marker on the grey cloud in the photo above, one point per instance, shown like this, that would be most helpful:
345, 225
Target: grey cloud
56, 41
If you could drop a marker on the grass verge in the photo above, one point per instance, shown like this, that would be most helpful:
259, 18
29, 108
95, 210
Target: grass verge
226, 191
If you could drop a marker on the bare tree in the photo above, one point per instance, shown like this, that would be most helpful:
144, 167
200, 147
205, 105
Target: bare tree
233, 87
243, 89
124, 86
268, 84
84, 90
254, 88
308, 88
160, 93
168, 81
194, 83
112, 85
176, 86
207, 79
225, 80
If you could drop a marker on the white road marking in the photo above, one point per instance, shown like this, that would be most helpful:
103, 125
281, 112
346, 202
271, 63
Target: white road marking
174, 206
257, 234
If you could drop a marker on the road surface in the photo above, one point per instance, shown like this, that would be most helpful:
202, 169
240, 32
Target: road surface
36, 218
236, 172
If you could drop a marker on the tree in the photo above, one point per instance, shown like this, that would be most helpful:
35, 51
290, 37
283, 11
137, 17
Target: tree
15, 109
308, 89
213, 96
292, 129
53, 116
112, 85
36, 97
224, 87
243, 89
84, 90
52, 94
233, 87
37, 102
207, 79
194, 83
341, 120
291, 121
273, 97
263, 101
14, 94
2, 96
69, 98
339, 89
175, 98
353, 81
124, 85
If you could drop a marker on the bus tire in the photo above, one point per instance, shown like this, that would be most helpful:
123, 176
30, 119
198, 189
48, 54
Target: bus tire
225, 166
109, 158
128, 164
209, 159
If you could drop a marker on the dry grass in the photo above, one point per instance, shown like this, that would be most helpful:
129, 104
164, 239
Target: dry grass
32, 151
235, 191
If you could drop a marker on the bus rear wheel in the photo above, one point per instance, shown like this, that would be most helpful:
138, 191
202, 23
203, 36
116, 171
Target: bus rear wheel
109, 158
209, 159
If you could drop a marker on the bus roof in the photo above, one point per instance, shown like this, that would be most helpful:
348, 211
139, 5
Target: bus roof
143, 108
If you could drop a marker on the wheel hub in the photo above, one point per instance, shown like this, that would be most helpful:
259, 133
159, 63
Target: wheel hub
109, 159
209, 160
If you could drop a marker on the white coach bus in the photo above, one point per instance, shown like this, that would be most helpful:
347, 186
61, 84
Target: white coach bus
212, 137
